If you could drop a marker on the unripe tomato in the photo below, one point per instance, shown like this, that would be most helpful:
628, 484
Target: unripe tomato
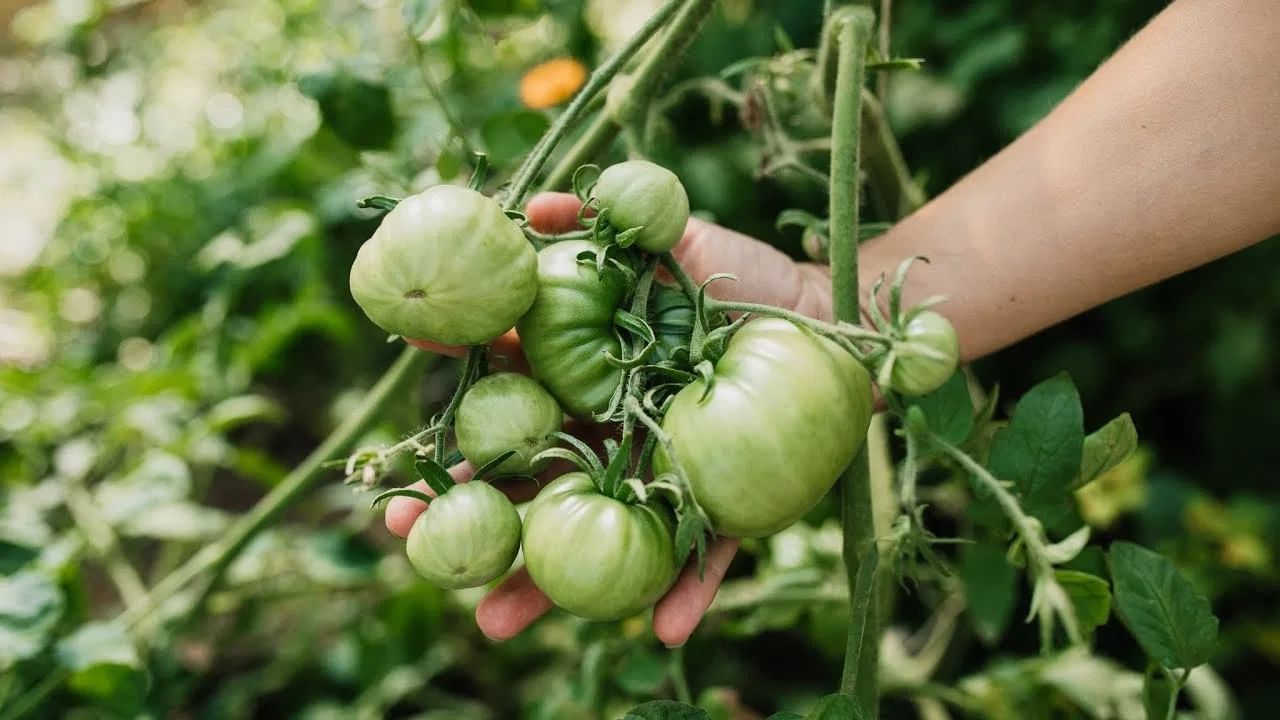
445, 265
466, 537
639, 194
569, 328
597, 557
505, 412
915, 374
786, 413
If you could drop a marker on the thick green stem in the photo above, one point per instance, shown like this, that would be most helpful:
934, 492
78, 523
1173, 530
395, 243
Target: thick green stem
648, 79
678, 679
593, 141
216, 557
598, 81
859, 678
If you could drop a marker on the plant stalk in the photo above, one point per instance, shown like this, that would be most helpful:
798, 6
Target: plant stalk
597, 82
218, 556
648, 77
859, 678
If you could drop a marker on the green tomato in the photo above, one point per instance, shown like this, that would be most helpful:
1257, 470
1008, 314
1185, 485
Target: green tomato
505, 412
639, 194
569, 328
465, 538
445, 265
597, 557
916, 374
786, 413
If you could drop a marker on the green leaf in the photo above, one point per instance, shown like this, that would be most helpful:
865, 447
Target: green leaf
1171, 619
509, 135
835, 707
1090, 596
241, 410
666, 710
30, 605
104, 666
357, 109
1039, 451
989, 586
419, 14
491, 467
1105, 448
786, 715
948, 409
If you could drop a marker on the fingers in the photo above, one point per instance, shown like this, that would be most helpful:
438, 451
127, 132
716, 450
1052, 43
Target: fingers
504, 351
402, 511
553, 212
678, 613
511, 607
764, 273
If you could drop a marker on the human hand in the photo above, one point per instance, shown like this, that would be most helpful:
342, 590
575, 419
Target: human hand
765, 275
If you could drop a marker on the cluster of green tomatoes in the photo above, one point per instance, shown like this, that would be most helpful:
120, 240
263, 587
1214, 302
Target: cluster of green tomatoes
737, 428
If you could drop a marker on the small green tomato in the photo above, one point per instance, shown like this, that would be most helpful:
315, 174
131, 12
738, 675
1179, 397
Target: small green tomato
446, 265
505, 412
914, 373
465, 538
640, 194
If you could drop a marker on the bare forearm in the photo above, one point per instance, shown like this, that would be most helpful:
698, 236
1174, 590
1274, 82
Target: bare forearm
1166, 158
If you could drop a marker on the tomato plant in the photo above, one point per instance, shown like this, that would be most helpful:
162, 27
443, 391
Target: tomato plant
467, 537
507, 412
596, 556
764, 438
645, 201
445, 265
568, 332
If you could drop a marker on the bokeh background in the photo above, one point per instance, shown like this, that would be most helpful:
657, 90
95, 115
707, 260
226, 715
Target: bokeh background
177, 214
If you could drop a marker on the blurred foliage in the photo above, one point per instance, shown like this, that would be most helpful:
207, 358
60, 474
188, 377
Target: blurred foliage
177, 213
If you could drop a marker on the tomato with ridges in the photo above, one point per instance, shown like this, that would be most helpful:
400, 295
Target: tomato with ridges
786, 413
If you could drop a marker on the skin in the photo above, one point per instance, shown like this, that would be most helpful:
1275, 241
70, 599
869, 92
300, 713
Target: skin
1164, 159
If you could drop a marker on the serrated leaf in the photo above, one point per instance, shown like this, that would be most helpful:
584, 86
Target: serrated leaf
666, 710
30, 605
104, 666
835, 707
1090, 596
1171, 619
949, 409
1039, 451
989, 586
1105, 448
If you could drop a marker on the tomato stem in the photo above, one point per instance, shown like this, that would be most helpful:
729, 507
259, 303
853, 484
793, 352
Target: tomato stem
528, 171
647, 78
850, 28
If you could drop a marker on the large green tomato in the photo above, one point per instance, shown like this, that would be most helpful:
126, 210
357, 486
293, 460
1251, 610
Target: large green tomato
597, 557
445, 265
466, 537
786, 413
569, 328
639, 194
914, 374
505, 412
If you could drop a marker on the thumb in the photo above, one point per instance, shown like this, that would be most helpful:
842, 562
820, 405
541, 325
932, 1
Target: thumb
764, 273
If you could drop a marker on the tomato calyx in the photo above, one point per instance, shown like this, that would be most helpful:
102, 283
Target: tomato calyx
923, 351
